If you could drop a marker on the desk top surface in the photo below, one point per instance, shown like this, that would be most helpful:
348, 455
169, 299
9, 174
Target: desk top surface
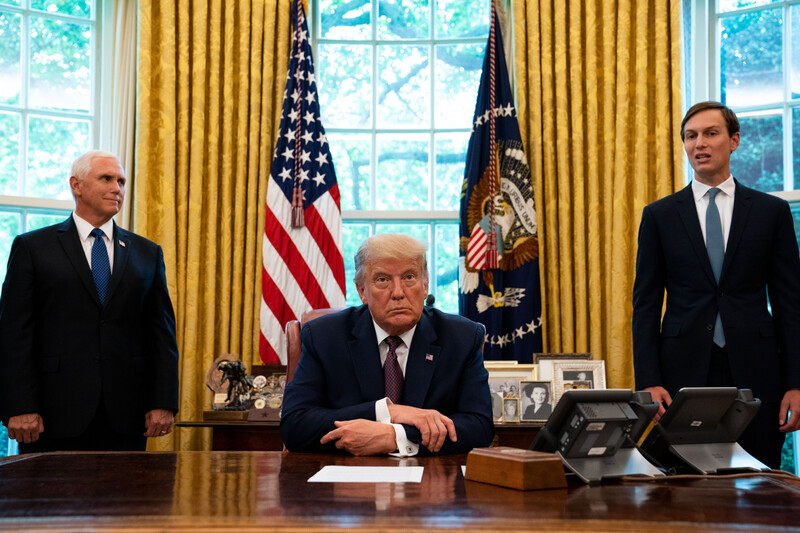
203, 491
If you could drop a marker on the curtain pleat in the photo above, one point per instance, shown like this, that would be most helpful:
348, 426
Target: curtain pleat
211, 81
598, 87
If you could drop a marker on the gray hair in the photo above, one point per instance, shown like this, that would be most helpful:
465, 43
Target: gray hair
82, 165
389, 246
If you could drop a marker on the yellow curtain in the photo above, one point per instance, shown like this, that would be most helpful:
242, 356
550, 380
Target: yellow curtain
598, 85
211, 80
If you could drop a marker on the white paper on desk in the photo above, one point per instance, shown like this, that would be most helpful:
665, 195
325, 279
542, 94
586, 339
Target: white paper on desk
368, 474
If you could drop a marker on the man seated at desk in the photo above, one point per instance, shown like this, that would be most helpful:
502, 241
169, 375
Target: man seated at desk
390, 375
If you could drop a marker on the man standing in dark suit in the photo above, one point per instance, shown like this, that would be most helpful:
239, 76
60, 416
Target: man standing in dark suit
389, 376
88, 357
718, 249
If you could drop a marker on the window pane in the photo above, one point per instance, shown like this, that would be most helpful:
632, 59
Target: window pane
75, 8
10, 227
446, 268
403, 19
751, 58
353, 235
462, 18
351, 156
404, 90
402, 179
732, 5
10, 2
41, 220
796, 148
794, 72
9, 153
345, 19
60, 65
344, 85
458, 74
53, 145
758, 162
451, 155
10, 56
418, 231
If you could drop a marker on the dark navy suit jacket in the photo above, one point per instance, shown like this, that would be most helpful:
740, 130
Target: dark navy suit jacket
761, 257
63, 353
339, 377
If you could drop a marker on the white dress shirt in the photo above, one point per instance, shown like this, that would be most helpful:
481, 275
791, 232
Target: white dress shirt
87, 241
724, 202
404, 446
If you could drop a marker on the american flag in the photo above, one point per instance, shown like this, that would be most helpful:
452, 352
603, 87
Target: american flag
499, 248
302, 260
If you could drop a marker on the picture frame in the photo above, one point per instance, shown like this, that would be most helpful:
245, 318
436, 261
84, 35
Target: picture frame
537, 357
528, 411
504, 382
544, 362
577, 375
511, 410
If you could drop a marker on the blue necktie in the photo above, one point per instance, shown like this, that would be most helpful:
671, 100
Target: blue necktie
392, 373
715, 245
101, 269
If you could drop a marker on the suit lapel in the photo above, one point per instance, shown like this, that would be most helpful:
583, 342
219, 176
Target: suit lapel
688, 214
121, 243
71, 244
365, 357
742, 201
423, 356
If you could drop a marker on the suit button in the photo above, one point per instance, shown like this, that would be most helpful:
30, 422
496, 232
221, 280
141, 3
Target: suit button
710, 327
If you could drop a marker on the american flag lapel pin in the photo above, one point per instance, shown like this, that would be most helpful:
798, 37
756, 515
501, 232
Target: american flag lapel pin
429, 357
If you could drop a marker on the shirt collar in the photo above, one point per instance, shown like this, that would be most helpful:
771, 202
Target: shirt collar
699, 190
406, 337
85, 228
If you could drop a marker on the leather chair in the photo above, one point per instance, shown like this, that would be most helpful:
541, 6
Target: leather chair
293, 349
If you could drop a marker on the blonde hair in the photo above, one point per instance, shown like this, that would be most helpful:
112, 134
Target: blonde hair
389, 246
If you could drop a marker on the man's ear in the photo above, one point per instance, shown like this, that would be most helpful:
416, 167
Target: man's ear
361, 293
735, 140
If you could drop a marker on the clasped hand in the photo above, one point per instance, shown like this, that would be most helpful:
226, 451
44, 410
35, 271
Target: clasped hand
367, 437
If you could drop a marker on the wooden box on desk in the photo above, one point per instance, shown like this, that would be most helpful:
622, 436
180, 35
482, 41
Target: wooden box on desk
516, 468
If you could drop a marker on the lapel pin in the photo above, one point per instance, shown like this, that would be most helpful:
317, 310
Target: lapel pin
429, 357
122, 244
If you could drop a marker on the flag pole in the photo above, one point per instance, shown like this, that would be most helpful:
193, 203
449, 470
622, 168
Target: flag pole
491, 244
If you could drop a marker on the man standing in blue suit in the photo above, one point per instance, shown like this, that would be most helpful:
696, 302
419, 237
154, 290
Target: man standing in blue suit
390, 376
88, 357
718, 249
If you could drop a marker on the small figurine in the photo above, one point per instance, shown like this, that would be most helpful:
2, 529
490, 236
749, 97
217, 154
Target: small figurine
235, 373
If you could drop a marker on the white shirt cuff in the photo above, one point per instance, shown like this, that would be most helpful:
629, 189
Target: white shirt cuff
405, 447
382, 411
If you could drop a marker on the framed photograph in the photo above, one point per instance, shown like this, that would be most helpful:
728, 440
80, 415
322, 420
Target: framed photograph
504, 383
567, 356
536, 400
578, 375
544, 362
510, 409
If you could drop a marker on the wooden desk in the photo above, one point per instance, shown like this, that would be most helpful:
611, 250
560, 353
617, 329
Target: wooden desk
265, 436
249, 491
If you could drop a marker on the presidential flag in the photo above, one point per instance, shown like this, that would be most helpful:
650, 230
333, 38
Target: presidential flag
499, 246
302, 260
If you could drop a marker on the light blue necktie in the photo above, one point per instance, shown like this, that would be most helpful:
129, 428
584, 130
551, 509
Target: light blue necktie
101, 268
715, 245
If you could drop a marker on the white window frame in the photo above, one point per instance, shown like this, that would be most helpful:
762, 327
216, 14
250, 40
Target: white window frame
704, 70
98, 46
